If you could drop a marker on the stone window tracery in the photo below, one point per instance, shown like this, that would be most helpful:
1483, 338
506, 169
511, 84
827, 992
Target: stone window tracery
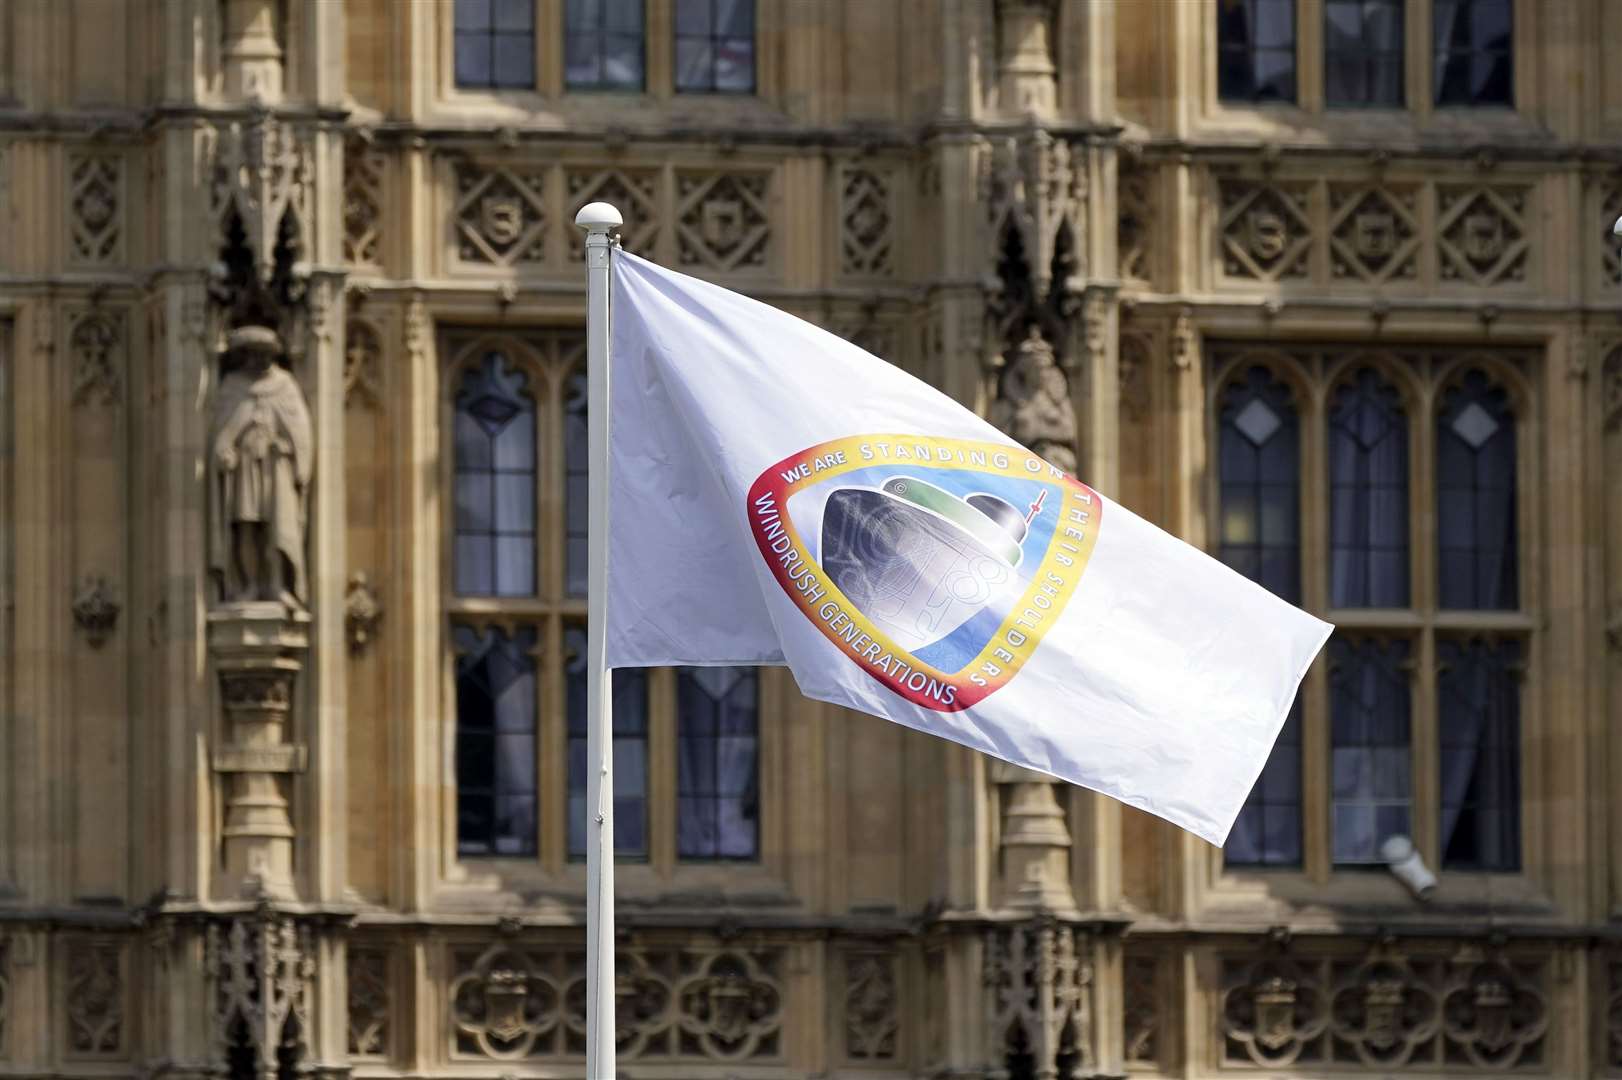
515, 572
1387, 501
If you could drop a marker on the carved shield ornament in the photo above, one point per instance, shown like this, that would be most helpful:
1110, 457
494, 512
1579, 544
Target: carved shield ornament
721, 224
1374, 234
1483, 237
501, 219
505, 994
1268, 234
1275, 1013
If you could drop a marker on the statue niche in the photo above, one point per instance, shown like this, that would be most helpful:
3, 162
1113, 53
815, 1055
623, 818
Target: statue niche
261, 457
1033, 403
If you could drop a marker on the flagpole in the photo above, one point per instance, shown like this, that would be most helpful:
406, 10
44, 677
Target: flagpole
599, 220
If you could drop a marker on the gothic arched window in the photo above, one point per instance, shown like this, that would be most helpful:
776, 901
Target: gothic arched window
1368, 494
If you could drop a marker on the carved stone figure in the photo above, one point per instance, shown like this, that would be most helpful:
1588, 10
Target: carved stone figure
261, 457
1034, 403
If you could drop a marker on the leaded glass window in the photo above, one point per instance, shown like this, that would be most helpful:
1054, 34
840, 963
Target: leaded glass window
1259, 451
1371, 772
1363, 44
1479, 713
718, 763
1368, 494
574, 483
1475, 498
494, 481
630, 729
1474, 42
604, 45
1256, 50
495, 740
1410, 722
495, 43
715, 46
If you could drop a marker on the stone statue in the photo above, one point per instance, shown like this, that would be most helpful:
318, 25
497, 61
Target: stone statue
261, 456
1033, 403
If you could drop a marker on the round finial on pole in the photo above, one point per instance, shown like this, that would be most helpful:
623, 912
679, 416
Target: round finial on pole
598, 217
1616, 227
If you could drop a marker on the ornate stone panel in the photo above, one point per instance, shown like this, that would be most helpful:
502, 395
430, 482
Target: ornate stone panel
97, 344
1610, 249
1610, 1025
369, 1027
1468, 1009
511, 1002
723, 220
1374, 232
363, 364
500, 215
95, 998
1038, 984
260, 969
1140, 984
866, 222
95, 209
1265, 229
1482, 235
634, 192
872, 1016
1134, 217
363, 202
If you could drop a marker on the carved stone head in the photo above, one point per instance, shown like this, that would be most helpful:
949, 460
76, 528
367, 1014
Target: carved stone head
253, 349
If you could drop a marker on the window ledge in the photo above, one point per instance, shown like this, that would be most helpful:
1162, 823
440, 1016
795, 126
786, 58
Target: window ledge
1256, 899
490, 886
1396, 129
580, 112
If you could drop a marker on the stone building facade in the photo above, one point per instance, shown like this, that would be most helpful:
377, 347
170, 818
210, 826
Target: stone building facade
290, 337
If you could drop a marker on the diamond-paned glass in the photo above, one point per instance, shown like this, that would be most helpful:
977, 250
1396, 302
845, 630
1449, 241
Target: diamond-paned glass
1363, 53
1259, 470
495, 43
495, 740
1256, 50
630, 732
1368, 494
603, 45
494, 482
1371, 750
717, 763
715, 46
1479, 713
1476, 526
1259, 479
1475, 52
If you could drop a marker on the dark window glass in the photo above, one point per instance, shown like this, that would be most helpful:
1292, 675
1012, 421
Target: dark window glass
630, 752
1259, 451
1371, 748
1267, 831
603, 45
574, 484
1256, 50
1475, 57
1363, 52
1475, 498
495, 43
1368, 495
495, 741
1259, 470
718, 763
1479, 710
715, 46
494, 482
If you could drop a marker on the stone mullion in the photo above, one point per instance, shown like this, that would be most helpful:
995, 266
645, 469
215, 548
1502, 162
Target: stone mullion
1422, 598
1317, 859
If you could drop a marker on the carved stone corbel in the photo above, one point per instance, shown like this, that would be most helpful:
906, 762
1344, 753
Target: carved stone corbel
95, 609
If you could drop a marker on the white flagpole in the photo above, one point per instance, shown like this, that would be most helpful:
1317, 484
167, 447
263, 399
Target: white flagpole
598, 219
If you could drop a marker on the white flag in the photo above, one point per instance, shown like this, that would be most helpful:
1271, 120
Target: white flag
779, 495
